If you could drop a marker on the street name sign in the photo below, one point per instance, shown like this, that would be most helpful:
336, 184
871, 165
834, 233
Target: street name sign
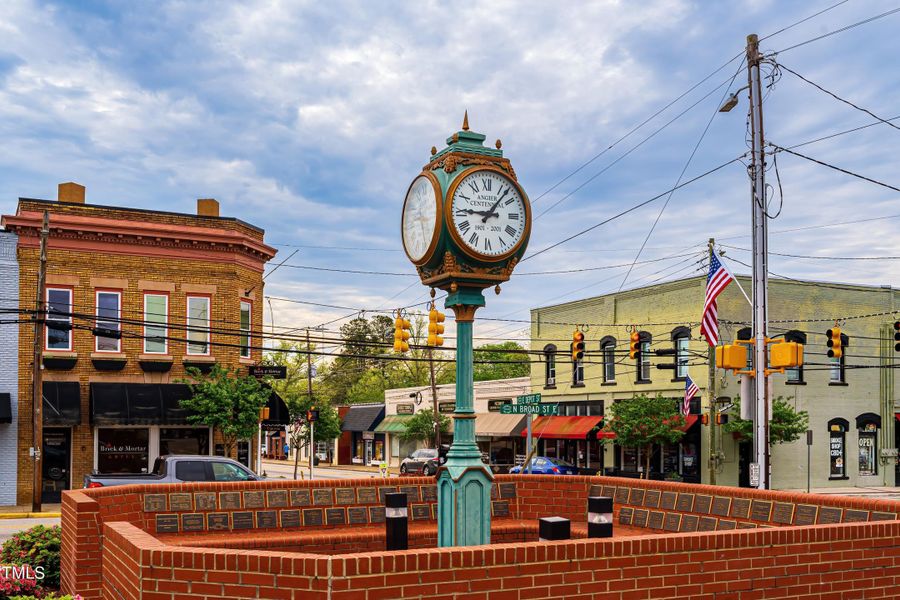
543, 410
528, 399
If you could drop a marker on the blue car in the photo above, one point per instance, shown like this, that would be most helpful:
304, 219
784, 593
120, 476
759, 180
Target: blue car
541, 465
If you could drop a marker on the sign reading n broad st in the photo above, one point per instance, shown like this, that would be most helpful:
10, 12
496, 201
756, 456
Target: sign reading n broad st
543, 410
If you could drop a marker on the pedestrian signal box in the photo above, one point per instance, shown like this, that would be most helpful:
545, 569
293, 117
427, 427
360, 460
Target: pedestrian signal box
731, 356
786, 355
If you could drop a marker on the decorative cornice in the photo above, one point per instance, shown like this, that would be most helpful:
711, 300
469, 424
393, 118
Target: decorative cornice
452, 161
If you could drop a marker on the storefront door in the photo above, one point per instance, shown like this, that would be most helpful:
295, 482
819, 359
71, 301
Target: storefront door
56, 458
368, 452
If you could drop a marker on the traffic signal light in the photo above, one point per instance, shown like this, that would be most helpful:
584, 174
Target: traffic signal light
897, 335
401, 335
435, 329
577, 346
704, 418
786, 355
721, 419
312, 414
834, 342
634, 348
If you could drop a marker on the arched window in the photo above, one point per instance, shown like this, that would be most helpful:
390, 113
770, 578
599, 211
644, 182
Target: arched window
837, 448
837, 375
868, 425
642, 364
549, 365
608, 352
681, 339
794, 376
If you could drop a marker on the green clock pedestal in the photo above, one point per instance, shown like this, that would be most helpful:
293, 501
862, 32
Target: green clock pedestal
464, 482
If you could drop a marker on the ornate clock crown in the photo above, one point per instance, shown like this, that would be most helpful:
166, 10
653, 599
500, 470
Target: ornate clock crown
466, 148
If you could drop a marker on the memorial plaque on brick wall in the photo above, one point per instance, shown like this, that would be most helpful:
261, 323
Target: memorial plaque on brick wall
595, 490
366, 495
828, 515
376, 514
217, 521
192, 522
154, 502
166, 523
322, 497
626, 514
656, 520
434, 511
673, 522
357, 515
290, 518
507, 491
621, 496
254, 499
420, 512
668, 500
384, 491
335, 516
783, 512
746, 525
726, 525
707, 524
344, 496
205, 500
689, 523
429, 493
277, 498
640, 517
702, 504
609, 491
740, 508
883, 516
637, 497
651, 499
412, 492
500, 508
805, 514
300, 498
685, 502
181, 501
720, 506
313, 516
495, 492
229, 500
242, 520
760, 510
855, 516
267, 519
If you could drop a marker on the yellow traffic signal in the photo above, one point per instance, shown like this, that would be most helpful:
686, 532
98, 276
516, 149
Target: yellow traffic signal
435, 329
401, 335
634, 348
897, 335
786, 355
577, 346
731, 356
834, 342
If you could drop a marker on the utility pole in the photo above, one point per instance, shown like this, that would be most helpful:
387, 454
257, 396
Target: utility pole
711, 392
434, 399
309, 394
760, 262
37, 396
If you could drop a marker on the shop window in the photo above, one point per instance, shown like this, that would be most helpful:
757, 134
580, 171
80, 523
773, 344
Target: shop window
109, 305
837, 448
59, 319
795, 375
837, 372
125, 450
868, 424
608, 354
642, 364
198, 324
681, 338
156, 316
549, 365
245, 328
184, 440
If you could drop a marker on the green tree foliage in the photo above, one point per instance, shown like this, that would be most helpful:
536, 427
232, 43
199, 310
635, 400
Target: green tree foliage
421, 427
507, 360
787, 424
35, 547
644, 421
227, 402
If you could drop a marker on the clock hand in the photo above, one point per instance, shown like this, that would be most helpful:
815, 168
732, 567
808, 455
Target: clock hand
491, 212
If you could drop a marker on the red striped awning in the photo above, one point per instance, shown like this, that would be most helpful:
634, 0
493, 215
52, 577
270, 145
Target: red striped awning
897, 416
563, 428
689, 420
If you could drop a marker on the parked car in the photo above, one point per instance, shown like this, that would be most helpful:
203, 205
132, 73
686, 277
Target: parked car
425, 461
542, 465
178, 469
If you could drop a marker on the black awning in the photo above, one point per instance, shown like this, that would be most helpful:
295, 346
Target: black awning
363, 418
279, 417
62, 402
138, 404
5, 408
172, 395
109, 404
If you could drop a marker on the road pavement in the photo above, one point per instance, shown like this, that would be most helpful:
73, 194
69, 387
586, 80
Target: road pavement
9, 527
285, 469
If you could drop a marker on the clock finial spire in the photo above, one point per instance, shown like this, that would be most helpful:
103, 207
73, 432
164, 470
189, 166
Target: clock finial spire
466, 121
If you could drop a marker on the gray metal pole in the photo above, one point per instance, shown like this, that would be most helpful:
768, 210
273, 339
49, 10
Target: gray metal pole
527, 465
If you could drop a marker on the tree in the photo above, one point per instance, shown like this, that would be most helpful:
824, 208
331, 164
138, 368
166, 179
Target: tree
642, 422
328, 426
787, 424
421, 427
507, 360
227, 402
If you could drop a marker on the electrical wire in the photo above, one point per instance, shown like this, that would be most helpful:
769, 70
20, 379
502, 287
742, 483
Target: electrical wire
816, 257
840, 30
830, 166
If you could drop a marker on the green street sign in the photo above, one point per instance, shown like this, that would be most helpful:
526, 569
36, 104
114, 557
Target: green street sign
543, 410
528, 399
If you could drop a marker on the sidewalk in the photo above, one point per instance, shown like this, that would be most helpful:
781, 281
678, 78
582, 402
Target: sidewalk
875, 492
23, 511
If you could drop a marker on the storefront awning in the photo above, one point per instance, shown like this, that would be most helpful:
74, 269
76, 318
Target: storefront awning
363, 418
563, 428
5, 408
138, 403
279, 417
689, 420
897, 416
62, 402
393, 424
499, 425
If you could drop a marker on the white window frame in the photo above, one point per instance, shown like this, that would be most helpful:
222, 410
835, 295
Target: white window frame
644, 361
550, 367
68, 319
682, 356
191, 326
245, 349
608, 352
578, 372
164, 326
117, 322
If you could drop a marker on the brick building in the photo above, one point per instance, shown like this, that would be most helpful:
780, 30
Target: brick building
851, 402
179, 289
9, 366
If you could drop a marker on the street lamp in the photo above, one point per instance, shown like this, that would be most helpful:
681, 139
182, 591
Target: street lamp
732, 100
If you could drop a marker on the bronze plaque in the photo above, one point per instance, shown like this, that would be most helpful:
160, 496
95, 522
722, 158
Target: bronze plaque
855, 516
621, 496
783, 512
166, 523
673, 522
507, 491
690, 523
829, 515
376, 514
412, 492
242, 520
883, 516
344, 496
595, 490
300, 498
805, 514
255, 499
384, 491
313, 516
685, 503
637, 497
322, 497
668, 500
640, 517
429, 492
495, 492
720, 506
726, 525
229, 500
277, 498
154, 502
760, 510
217, 521
192, 522
609, 491
499, 508
656, 520
290, 518
357, 515
746, 525
336, 516
267, 519
368, 495
181, 501
434, 511
740, 508
707, 524
422, 512
625, 516
651, 499
205, 500
702, 504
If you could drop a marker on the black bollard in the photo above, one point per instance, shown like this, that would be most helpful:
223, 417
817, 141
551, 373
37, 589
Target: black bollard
554, 528
600, 517
396, 521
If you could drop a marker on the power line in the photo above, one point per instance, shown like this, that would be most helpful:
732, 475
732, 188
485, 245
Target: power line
816, 257
830, 166
840, 30
804, 20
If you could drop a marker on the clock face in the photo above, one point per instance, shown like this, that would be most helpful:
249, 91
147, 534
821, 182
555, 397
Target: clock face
419, 222
489, 213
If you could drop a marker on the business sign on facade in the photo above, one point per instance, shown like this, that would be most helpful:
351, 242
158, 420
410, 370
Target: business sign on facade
273, 371
496, 405
446, 407
406, 408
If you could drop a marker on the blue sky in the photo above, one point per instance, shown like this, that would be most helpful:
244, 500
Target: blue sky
310, 119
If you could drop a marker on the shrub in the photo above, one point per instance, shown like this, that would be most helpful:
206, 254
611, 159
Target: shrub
35, 547
13, 583
50, 597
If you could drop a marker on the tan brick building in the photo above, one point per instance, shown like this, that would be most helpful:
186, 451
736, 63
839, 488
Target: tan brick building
180, 290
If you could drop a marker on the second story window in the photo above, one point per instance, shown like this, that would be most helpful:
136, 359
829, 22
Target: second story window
245, 328
643, 361
608, 355
156, 316
681, 339
109, 310
59, 319
549, 365
198, 324
578, 372
837, 373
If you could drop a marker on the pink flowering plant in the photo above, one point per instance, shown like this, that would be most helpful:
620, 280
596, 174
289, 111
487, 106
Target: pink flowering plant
38, 549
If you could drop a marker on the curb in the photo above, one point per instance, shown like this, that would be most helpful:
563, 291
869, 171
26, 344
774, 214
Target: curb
30, 515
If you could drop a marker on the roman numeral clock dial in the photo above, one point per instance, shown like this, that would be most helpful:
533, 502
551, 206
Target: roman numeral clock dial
489, 213
419, 224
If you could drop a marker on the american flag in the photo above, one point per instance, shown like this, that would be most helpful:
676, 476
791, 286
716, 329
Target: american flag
718, 280
690, 390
